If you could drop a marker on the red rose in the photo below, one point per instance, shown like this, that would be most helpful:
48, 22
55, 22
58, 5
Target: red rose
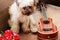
1, 38
8, 34
15, 36
8, 31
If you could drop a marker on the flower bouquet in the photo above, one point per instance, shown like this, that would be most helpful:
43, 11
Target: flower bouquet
9, 35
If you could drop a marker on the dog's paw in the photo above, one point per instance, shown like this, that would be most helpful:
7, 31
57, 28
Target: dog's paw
26, 30
34, 30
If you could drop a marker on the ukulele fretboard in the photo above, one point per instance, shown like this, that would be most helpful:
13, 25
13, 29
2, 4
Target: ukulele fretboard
43, 9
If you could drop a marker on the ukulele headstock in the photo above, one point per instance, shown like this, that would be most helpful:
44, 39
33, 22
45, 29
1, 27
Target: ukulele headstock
43, 5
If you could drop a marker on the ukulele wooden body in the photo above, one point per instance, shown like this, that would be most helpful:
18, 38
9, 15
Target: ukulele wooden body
47, 29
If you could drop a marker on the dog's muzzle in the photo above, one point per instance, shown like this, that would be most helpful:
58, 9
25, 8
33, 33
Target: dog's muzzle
27, 11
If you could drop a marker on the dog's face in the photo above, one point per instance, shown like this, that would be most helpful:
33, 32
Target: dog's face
27, 6
28, 10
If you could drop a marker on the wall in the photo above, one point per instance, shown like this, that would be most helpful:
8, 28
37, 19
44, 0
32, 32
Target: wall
4, 16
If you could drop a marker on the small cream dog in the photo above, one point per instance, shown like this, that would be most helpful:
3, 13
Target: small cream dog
23, 11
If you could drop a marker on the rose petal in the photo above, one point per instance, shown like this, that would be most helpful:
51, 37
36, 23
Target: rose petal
2, 38
8, 34
15, 36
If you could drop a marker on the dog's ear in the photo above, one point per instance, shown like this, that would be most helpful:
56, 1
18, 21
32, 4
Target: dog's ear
18, 2
35, 2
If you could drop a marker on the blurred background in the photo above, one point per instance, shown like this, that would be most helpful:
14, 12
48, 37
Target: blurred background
4, 16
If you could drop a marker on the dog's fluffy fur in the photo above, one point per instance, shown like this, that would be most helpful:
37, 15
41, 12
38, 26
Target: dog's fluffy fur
17, 17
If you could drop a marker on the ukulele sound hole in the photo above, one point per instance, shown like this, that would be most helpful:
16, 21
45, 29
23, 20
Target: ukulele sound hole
46, 22
47, 29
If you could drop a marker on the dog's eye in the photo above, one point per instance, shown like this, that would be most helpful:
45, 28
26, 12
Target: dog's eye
30, 6
24, 7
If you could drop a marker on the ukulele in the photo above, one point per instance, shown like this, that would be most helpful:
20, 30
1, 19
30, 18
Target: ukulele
46, 28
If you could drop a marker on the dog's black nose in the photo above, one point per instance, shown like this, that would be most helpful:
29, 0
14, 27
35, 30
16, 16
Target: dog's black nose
27, 11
